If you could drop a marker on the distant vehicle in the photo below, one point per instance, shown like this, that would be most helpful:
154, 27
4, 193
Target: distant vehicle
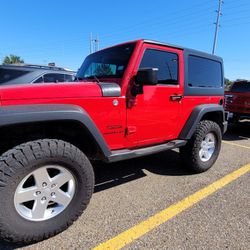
27, 73
237, 101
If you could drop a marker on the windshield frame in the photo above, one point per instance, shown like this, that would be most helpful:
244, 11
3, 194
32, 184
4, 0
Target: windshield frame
96, 57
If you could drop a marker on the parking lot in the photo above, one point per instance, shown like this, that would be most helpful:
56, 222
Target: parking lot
145, 190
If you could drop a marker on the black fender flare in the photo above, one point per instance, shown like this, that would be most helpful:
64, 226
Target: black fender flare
21, 114
196, 116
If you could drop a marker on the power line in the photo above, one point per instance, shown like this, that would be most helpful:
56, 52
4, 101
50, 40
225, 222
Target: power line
217, 24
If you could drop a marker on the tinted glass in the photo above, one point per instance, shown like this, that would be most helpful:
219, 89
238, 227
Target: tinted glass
10, 74
69, 78
39, 80
203, 72
53, 77
110, 62
166, 62
241, 87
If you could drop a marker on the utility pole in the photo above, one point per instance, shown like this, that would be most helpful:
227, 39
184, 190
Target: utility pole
90, 43
217, 25
97, 41
93, 43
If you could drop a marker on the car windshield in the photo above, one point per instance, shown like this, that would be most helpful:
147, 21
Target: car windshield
241, 87
108, 63
10, 74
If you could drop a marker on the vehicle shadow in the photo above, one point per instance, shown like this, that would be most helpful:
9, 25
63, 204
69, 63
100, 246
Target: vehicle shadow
238, 131
110, 175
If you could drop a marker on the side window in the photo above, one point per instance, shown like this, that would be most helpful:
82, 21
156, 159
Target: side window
39, 80
166, 62
69, 78
53, 77
204, 72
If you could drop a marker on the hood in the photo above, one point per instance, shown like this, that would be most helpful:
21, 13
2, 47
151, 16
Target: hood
51, 90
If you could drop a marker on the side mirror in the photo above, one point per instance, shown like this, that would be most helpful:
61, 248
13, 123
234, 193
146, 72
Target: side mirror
147, 76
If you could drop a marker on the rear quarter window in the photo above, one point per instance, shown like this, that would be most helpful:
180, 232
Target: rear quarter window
204, 72
7, 75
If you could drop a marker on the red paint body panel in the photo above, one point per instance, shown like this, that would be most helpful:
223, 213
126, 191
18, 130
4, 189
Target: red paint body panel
190, 102
86, 95
238, 102
50, 91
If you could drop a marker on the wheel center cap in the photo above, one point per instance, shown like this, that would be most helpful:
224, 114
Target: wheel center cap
47, 190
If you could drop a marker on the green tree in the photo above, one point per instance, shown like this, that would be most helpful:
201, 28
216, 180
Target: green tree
228, 83
12, 59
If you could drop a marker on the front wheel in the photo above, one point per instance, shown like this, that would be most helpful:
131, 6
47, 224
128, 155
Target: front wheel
44, 186
202, 150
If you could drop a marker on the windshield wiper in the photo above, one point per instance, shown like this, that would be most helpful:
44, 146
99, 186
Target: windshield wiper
96, 79
91, 77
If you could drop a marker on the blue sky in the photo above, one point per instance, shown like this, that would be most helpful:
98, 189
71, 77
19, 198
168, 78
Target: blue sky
58, 31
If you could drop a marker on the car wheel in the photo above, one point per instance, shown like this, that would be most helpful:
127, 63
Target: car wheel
202, 150
44, 186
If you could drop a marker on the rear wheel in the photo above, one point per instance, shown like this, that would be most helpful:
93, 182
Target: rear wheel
44, 186
202, 150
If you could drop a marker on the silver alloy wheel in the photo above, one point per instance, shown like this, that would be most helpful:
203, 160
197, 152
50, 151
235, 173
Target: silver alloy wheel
207, 147
44, 193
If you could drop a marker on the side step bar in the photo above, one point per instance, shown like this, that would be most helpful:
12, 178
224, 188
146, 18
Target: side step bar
125, 154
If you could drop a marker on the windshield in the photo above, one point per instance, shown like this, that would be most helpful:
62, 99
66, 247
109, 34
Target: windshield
241, 87
108, 63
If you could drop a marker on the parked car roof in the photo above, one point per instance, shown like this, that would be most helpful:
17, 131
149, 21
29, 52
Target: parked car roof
30, 73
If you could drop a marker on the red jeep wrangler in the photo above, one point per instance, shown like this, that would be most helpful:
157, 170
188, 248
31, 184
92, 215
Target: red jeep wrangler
131, 100
237, 101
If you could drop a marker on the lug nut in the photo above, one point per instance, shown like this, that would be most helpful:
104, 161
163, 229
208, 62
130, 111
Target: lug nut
43, 198
44, 184
38, 192
53, 194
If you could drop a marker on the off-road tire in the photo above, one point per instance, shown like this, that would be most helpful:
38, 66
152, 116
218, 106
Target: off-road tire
190, 152
17, 163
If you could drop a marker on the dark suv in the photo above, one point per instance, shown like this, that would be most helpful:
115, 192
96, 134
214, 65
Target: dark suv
26, 73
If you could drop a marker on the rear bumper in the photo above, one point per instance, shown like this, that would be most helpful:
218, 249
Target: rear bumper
232, 115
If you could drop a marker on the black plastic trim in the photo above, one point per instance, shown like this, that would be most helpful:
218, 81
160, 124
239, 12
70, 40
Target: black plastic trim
196, 116
21, 114
119, 155
110, 89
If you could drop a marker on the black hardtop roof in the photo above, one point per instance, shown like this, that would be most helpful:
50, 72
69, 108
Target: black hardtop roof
190, 51
186, 50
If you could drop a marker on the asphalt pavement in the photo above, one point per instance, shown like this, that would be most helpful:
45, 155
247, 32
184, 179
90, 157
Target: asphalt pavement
128, 193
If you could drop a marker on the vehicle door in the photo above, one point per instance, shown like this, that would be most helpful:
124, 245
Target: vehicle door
153, 117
